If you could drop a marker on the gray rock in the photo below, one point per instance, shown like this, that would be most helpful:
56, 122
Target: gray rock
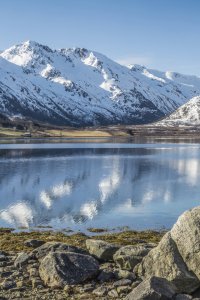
37, 283
183, 297
5, 274
129, 256
3, 264
186, 235
21, 260
2, 252
101, 249
124, 274
101, 291
196, 293
3, 258
113, 293
153, 288
62, 268
136, 283
124, 289
53, 247
149, 245
165, 261
33, 243
106, 275
88, 288
34, 272
8, 284
122, 282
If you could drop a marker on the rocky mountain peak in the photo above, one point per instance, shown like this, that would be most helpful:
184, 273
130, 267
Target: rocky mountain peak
76, 86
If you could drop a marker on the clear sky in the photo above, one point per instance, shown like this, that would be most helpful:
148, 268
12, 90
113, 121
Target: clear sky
160, 34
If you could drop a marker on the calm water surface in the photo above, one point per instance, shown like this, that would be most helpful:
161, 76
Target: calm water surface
143, 184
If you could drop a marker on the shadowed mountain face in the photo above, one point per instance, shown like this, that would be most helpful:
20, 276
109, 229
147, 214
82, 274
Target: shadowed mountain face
80, 87
107, 187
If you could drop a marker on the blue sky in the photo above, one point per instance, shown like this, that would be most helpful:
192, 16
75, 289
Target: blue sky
160, 34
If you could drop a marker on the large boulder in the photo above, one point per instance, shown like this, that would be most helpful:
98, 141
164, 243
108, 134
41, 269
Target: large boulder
165, 261
186, 235
129, 256
153, 288
101, 249
53, 247
177, 257
59, 269
33, 243
21, 260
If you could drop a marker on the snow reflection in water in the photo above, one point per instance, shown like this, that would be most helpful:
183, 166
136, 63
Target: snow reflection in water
144, 187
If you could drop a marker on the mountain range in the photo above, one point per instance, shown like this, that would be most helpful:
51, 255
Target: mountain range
79, 87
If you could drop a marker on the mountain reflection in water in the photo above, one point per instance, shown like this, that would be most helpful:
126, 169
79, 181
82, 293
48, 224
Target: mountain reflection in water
98, 187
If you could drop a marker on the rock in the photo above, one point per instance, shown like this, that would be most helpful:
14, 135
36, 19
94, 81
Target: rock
6, 274
106, 275
3, 258
149, 245
113, 293
21, 283
53, 247
136, 283
2, 252
87, 288
67, 288
33, 243
165, 261
106, 266
124, 274
122, 282
37, 282
129, 256
153, 288
101, 249
21, 260
101, 291
123, 289
34, 272
186, 235
62, 268
196, 294
8, 284
183, 297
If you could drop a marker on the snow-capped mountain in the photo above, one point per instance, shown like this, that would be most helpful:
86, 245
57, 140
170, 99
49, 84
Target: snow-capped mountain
186, 114
81, 87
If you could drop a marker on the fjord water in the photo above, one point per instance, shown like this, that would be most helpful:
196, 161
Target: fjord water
137, 184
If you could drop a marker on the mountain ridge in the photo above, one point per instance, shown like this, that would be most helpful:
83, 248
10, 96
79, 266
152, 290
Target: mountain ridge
79, 87
187, 114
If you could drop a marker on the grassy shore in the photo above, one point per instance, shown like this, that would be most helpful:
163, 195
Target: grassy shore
119, 131
14, 241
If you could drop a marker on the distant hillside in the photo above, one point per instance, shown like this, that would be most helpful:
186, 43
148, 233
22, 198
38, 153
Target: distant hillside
187, 114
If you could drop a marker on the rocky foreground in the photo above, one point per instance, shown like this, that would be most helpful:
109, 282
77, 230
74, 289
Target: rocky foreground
103, 270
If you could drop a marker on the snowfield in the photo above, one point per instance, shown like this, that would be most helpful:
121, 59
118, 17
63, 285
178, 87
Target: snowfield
79, 87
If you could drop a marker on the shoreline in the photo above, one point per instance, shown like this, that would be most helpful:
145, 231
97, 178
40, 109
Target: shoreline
14, 241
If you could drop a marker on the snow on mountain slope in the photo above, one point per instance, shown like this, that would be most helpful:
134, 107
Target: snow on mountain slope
187, 114
81, 87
